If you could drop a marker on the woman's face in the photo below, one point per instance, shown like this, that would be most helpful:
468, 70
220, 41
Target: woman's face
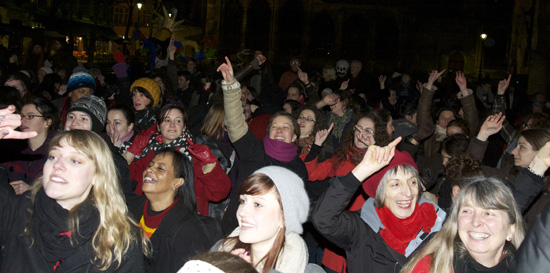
37, 124
68, 175
172, 126
444, 118
260, 218
326, 75
306, 120
338, 107
484, 232
364, 133
401, 193
159, 178
140, 100
282, 129
523, 153
77, 120
120, 122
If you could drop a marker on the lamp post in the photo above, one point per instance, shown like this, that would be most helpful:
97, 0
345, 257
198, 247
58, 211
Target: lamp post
139, 12
483, 37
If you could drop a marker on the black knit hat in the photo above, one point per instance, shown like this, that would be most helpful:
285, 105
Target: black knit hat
93, 107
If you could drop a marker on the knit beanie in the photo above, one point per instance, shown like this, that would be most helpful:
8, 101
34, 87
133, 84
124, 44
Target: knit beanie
401, 158
79, 80
151, 86
93, 107
293, 196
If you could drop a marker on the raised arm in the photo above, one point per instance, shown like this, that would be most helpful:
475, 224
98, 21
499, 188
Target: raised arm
468, 103
499, 105
234, 116
425, 101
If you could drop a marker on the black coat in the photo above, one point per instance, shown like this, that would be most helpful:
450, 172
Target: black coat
179, 236
366, 250
253, 157
533, 255
19, 255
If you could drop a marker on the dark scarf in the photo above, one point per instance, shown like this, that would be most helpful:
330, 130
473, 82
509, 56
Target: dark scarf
399, 232
339, 123
355, 155
469, 265
305, 143
280, 150
157, 142
146, 118
51, 234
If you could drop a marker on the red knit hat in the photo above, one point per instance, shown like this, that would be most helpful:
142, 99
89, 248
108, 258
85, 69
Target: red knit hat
401, 158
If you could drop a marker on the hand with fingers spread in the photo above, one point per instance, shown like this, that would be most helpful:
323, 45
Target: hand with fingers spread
382, 81
344, 85
434, 75
227, 71
322, 135
503, 85
113, 133
461, 81
491, 126
9, 122
375, 159
303, 76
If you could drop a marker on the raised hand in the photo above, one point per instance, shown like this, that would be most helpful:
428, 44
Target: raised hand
434, 75
112, 132
503, 85
491, 126
303, 76
461, 81
344, 85
382, 81
322, 135
375, 159
227, 71
201, 152
171, 50
20, 186
261, 59
9, 122
541, 161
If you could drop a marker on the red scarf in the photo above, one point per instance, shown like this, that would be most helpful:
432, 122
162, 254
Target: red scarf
305, 143
355, 155
399, 232
148, 223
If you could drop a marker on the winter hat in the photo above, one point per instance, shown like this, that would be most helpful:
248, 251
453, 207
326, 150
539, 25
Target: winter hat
47, 70
293, 196
93, 107
194, 266
401, 158
151, 86
79, 80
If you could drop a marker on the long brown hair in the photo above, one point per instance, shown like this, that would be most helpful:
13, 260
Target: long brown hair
257, 184
213, 125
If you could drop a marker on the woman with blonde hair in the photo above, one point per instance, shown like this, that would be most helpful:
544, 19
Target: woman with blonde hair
75, 218
482, 232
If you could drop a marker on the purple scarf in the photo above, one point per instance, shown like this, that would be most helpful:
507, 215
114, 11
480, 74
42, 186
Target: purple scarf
280, 150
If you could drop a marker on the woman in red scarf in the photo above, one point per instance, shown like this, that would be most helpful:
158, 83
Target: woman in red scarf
374, 128
391, 225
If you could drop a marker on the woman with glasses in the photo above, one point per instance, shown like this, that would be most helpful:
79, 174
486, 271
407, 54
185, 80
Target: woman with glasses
373, 128
37, 115
311, 121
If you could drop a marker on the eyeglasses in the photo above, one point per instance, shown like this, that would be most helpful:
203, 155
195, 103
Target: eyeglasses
30, 116
295, 62
305, 119
367, 131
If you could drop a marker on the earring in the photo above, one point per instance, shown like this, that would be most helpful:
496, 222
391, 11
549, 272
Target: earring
508, 239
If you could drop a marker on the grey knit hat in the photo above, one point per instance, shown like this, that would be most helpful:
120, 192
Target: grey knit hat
93, 107
293, 196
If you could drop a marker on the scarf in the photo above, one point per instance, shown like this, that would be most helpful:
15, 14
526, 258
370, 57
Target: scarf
157, 142
280, 150
339, 123
355, 155
468, 265
399, 232
305, 143
51, 234
440, 133
149, 223
146, 118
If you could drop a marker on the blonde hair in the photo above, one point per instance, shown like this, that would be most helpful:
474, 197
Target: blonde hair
488, 193
116, 231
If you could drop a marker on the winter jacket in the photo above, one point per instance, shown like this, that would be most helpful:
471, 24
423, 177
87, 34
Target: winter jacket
179, 236
533, 255
358, 232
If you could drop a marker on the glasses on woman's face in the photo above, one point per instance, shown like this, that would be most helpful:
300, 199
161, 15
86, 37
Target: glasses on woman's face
366, 131
305, 119
30, 116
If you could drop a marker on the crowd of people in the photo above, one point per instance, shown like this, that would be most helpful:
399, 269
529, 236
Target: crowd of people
234, 169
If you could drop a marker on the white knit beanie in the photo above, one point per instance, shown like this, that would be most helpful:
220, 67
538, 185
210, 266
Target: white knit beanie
293, 196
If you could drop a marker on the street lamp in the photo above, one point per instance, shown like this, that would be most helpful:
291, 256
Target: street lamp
483, 38
139, 12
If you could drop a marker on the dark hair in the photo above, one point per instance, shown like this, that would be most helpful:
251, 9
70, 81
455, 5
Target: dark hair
408, 108
538, 121
185, 74
380, 117
166, 108
301, 90
295, 105
438, 112
46, 109
460, 123
295, 129
460, 167
146, 94
320, 119
168, 88
10, 96
128, 115
455, 144
225, 261
183, 168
